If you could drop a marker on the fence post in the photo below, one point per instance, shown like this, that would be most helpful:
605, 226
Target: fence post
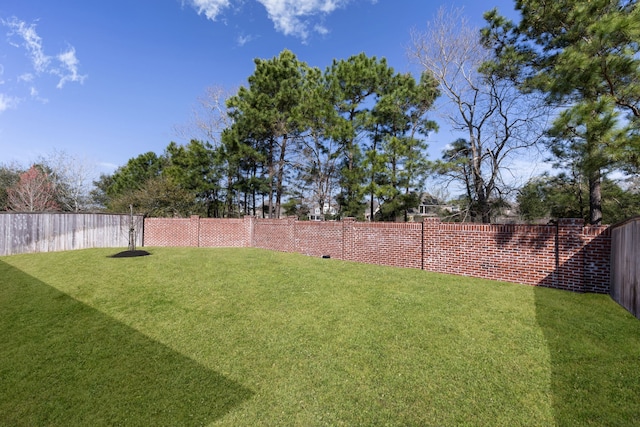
249, 225
597, 259
194, 231
570, 254
291, 232
347, 238
430, 244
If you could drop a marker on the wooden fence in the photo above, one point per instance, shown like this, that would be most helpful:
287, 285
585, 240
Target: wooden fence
48, 232
625, 265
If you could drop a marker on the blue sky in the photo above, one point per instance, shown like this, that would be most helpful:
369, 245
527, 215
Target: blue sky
105, 81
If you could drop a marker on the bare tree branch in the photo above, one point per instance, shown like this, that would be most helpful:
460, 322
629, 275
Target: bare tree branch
72, 179
500, 121
209, 117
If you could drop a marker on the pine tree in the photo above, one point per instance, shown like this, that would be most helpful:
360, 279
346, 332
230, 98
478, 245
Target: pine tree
585, 56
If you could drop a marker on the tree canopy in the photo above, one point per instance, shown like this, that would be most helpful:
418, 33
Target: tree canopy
496, 121
350, 140
297, 140
566, 196
585, 57
326, 139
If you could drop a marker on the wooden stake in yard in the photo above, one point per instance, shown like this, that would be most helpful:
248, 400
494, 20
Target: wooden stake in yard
132, 233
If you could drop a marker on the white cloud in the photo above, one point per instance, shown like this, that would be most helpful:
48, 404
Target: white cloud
31, 41
107, 167
290, 17
65, 66
36, 95
69, 73
320, 29
26, 77
7, 102
242, 39
210, 8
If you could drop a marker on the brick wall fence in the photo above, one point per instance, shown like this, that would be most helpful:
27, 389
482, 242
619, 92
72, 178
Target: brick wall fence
565, 255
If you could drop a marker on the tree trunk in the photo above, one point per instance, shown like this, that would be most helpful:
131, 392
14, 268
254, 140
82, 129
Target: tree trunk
595, 198
482, 209
229, 200
371, 207
254, 174
280, 175
271, 178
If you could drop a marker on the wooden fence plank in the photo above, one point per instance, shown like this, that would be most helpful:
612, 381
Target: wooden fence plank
48, 232
625, 270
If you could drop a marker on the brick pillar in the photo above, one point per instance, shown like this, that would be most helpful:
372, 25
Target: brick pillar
194, 231
570, 255
249, 223
597, 259
347, 238
431, 244
291, 233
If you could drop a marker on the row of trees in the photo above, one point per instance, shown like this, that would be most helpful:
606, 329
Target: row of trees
566, 195
563, 80
38, 189
295, 136
57, 181
353, 136
584, 57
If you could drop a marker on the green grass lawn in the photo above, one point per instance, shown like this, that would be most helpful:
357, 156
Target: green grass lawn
246, 337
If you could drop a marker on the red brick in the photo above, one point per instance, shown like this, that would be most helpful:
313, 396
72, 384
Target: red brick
515, 253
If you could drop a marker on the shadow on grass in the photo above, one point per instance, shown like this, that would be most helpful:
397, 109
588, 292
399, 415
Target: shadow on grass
130, 254
65, 363
594, 349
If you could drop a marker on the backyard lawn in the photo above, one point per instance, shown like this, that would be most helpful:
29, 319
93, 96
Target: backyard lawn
247, 337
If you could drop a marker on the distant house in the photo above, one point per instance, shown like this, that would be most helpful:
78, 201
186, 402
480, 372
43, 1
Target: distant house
318, 214
430, 207
367, 212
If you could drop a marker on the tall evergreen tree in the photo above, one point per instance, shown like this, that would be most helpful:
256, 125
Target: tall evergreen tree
585, 56
9, 176
319, 148
355, 84
195, 169
134, 175
267, 112
397, 155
